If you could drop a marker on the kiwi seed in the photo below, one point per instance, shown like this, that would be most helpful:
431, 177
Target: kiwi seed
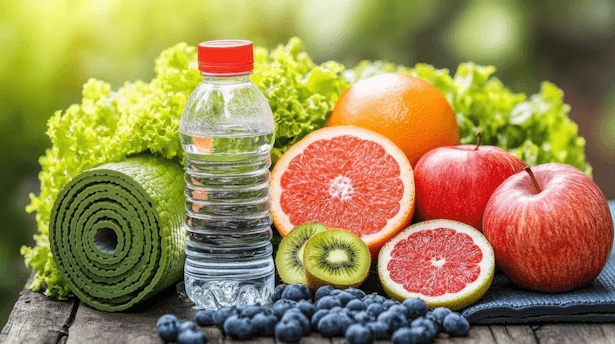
289, 259
336, 257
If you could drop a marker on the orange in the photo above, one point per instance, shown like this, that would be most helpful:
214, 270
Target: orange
344, 177
409, 111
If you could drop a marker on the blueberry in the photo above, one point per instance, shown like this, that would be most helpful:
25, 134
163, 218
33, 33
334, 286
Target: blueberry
437, 315
358, 334
388, 303
456, 325
221, 315
187, 325
281, 306
399, 309
317, 316
363, 317
429, 325
263, 324
238, 327
346, 321
277, 292
335, 292
373, 298
297, 292
251, 311
297, 316
191, 337
167, 318
322, 291
358, 293
410, 335
393, 320
328, 302
240, 308
306, 307
379, 330
289, 331
344, 297
168, 327
375, 309
415, 307
332, 324
339, 310
356, 305
204, 317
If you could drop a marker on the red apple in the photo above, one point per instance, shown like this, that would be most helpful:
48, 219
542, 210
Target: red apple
550, 227
456, 182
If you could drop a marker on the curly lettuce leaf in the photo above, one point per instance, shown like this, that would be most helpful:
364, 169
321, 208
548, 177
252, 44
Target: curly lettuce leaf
537, 130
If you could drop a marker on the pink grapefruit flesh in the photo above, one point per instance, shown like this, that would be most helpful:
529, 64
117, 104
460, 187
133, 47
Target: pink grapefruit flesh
344, 177
443, 262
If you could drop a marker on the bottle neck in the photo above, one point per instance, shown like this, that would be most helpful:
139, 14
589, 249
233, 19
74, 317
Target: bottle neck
227, 78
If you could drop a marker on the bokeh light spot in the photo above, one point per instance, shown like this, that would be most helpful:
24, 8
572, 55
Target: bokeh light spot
487, 33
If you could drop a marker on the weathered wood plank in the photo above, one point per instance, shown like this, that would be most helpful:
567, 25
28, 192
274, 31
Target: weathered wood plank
137, 325
36, 319
258, 340
609, 332
571, 334
338, 340
513, 334
477, 335
313, 338
214, 335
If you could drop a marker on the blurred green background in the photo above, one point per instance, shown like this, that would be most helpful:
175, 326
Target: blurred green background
51, 47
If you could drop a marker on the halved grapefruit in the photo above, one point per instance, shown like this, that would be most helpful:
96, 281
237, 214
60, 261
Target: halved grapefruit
443, 262
344, 177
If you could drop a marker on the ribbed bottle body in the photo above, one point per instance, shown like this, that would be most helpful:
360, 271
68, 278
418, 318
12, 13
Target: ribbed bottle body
227, 133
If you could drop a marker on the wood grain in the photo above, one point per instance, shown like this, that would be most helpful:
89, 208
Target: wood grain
37, 319
477, 335
513, 334
572, 334
138, 325
314, 338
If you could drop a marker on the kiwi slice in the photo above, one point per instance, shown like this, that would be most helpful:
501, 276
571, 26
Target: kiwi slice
336, 257
289, 259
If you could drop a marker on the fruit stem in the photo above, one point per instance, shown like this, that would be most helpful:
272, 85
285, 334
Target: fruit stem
478, 138
529, 170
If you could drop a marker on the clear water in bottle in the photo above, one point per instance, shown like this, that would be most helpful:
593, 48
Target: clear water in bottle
227, 132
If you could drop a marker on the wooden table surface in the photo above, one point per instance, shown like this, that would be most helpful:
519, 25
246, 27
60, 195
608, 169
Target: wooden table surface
39, 319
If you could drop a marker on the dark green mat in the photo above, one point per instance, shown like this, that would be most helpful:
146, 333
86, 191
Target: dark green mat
116, 231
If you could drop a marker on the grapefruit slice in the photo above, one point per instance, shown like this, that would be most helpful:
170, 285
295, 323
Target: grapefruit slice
344, 177
443, 262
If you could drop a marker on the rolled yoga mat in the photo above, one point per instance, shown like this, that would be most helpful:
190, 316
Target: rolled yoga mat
116, 231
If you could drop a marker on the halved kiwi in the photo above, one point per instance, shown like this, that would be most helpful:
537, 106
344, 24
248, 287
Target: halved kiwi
336, 257
289, 259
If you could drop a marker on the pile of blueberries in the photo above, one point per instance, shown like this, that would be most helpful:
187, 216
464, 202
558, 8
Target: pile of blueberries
331, 312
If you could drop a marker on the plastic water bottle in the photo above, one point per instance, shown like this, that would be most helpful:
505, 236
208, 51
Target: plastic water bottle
227, 131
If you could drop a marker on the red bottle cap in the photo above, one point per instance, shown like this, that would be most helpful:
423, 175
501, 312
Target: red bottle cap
228, 56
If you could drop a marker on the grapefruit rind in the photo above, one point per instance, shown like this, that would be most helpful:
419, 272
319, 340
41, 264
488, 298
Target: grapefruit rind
394, 225
455, 301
